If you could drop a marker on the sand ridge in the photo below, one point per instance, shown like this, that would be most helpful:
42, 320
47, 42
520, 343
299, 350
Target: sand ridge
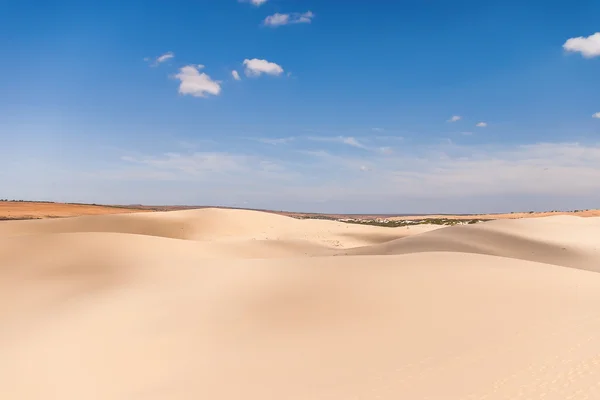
231, 304
212, 224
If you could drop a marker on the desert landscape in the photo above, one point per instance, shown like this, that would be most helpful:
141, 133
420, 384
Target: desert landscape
299, 200
242, 304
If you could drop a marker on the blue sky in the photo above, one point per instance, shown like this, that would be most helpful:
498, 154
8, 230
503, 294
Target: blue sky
359, 106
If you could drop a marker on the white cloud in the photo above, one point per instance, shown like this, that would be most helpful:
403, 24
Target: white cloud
196, 83
588, 46
597, 115
347, 140
305, 18
217, 167
481, 124
256, 67
436, 171
276, 141
455, 118
165, 57
195, 163
417, 178
278, 19
350, 141
162, 58
462, 171
377, 129
374, 144
235, 75
256, 3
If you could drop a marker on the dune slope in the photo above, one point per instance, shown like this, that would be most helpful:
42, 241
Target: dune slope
212, 224
128, 307
562, 240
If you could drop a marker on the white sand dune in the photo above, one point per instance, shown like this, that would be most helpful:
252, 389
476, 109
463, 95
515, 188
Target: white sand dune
229, 304
213, 224
562, 240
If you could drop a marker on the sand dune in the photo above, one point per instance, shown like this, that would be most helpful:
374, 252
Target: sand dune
212, 224
232, 304
562, 240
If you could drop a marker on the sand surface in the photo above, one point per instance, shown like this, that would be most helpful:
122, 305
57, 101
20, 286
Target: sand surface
232, 304
37, 210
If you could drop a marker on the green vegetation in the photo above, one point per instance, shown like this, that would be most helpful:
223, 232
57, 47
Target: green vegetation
397, 223
326, 217
427, 221
17, 218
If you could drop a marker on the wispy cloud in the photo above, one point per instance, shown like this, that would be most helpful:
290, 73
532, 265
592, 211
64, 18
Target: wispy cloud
596, 115
347, 140
373, 144
377, 129
196, 83
235, 75
589, 46
455, 118
256, 67
195, 144
165, 57
218, 168
481, 124
198, 163
256, 3
350, 141
323, 159
452, 170
276, 141
160, 59
388, 138
437, 174
278, 19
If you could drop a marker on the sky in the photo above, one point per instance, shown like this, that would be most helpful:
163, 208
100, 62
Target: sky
407, 106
